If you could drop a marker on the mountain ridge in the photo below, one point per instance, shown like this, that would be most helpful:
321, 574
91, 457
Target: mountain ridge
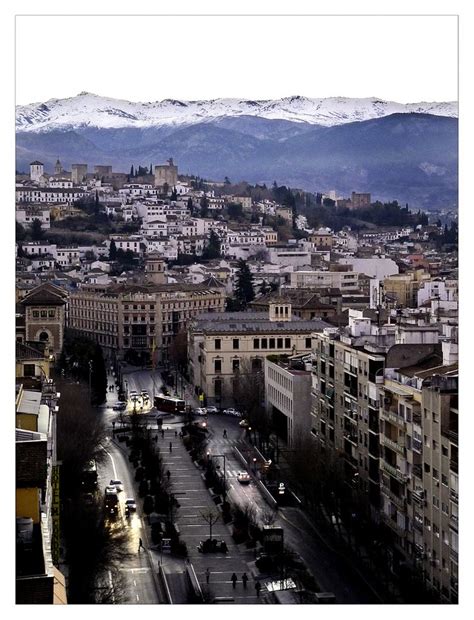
89, 110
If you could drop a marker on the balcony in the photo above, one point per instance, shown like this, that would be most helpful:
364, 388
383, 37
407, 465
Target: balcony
419, 496
396, 447
393, 471
453, 495
391, 416
400, 502
352, 437
400, 531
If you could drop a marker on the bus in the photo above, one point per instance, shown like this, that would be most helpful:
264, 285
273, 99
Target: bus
169, 404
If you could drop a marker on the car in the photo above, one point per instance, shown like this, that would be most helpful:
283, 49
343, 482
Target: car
243, 477
116, 484
145, 395
244, 424
133, 393
200, 411
130, 504
119, 406
232, 411
212, 409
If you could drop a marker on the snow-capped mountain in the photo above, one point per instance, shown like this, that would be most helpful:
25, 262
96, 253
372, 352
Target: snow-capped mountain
89, 110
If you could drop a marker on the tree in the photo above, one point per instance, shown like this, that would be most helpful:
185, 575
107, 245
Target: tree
213, 247
227, 180
210, 517
132, 172
20, 232
36, 230
174, 194
204, 202
151, 168
112, 250
244, 292
235, 210
165, 189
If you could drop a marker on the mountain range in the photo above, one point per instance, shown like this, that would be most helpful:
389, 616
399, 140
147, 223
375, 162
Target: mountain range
406, 152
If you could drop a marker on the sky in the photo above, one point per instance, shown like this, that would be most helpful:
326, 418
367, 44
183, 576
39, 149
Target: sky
138, 58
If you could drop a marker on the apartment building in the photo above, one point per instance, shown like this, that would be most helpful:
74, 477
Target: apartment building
384, 398
402, 289
288, 396
25, 215
343, 280
219, 345
49, 194
140, 317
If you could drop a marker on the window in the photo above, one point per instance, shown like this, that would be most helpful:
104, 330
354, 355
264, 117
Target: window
44, 314
217, 365
256, 343
29, 370
235, 343
435, 474
279, 343
36, 314
217, 344
51, 313
287, 343
125, 318
235, 365
264, 343
444, 450
307, 343
427, 468
271, 343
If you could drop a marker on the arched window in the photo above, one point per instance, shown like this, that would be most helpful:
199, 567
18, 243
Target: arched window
43, 337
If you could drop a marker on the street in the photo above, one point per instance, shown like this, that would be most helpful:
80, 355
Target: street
329, 569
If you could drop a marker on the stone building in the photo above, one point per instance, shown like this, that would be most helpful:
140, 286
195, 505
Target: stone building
138, 319
36, 170
219, 345
78, 173
166, 173
45, 316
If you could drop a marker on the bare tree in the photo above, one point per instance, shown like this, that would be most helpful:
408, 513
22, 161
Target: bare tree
211, 517
269, 516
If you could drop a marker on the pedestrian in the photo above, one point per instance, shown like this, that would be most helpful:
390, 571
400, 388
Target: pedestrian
224, 434
208, 574
171, 447
162, 433
176, 433
258, 587
168, 474
234, 580
140, 545
244, 580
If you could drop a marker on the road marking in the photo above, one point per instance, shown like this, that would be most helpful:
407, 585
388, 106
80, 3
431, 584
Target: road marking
138, 598
111, 586
134, 583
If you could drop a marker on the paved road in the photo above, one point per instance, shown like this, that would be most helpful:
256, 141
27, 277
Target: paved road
332, 572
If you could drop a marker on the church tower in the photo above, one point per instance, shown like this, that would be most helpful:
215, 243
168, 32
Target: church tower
155, 268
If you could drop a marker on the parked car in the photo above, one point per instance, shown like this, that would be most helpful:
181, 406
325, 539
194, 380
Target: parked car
117, 484
232, 411
200, 411
119, 406
243, 477
212, 409
130, 505
244, 424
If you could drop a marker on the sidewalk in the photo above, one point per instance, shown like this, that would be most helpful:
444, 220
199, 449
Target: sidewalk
187, 485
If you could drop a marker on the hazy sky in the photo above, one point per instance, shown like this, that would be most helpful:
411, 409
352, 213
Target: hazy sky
399, 58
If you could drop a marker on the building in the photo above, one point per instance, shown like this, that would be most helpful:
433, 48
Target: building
288, 396
45, 316
36, 171
219, 345
103, 171
25, 215
359, 201
402, 289
321, 240
343, 280
78, 173
38, 580
306, 304
166, 174
384, 399
137, 320
155, 267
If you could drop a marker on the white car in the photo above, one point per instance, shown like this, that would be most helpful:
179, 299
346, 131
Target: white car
116, 484
244, 424
232, 411
211, 409
200, 411
243, 477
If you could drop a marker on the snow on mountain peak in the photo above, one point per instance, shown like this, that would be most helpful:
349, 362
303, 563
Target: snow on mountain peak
88, 109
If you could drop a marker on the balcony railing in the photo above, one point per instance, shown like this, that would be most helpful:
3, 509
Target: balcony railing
393, 471
389, 416
400, 502
453, 496
419, 496
385, 441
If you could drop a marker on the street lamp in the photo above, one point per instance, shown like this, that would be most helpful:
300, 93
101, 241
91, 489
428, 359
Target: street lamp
90, 381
